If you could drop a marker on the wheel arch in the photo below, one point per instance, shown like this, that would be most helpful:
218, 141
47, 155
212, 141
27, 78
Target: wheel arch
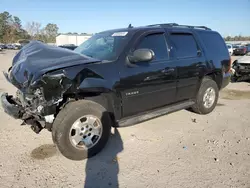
216, 76
103, 96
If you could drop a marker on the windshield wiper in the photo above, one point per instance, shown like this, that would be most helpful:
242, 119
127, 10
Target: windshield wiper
89, 55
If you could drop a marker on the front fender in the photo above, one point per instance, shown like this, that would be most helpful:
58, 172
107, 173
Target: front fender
100, 91
94, 85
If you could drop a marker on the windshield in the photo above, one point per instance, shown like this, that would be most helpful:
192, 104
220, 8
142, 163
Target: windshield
228, 46
104, 46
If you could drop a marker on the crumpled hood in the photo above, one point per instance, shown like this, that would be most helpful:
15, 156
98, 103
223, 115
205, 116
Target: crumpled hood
37, 58
245, 60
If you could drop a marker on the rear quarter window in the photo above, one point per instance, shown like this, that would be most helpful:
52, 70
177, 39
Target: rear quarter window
214, 44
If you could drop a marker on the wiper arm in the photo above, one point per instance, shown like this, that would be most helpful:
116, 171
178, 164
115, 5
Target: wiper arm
89, 56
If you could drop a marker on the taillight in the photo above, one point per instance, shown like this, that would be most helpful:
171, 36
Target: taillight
245, 50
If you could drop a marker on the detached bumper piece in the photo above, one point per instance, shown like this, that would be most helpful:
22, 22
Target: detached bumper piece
16, 111
11, 107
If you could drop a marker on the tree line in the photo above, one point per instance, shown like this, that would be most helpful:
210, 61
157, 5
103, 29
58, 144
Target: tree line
237, 38
12, 30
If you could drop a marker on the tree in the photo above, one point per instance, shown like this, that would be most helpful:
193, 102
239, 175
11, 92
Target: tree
5, 19
33, 29
1, 26
237, 38
41, 36
23, 34
228, 38
51, 31
17, 22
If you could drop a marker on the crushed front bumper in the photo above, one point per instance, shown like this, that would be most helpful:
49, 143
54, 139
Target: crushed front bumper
11, 107
16, 111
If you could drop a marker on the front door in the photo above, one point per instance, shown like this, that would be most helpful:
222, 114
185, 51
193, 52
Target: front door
148, 85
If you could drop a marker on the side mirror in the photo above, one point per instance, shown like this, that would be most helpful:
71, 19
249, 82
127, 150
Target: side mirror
141, 55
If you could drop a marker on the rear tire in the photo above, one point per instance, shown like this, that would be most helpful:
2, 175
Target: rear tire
66, 119
207, 96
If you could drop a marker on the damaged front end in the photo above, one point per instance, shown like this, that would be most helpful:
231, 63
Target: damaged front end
41, 74
240, 71
38, 104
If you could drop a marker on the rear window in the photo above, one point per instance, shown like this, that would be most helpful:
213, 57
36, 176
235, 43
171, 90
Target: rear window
184, 44
214, 44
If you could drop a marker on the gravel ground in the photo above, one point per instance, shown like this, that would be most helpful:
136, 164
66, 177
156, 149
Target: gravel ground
182, 149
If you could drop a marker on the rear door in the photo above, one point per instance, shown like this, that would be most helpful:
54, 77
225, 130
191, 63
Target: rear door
148, 85
189, 61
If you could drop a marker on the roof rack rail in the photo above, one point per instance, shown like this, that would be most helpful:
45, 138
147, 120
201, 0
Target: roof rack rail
177, 25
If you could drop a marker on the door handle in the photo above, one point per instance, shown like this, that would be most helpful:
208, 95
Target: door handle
168, 70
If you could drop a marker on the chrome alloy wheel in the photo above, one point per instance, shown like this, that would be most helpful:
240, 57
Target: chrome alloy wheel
85, 132
209, 97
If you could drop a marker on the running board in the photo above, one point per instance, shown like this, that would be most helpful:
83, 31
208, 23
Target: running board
154, 113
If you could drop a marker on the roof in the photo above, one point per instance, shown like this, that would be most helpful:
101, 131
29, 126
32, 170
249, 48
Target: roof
175, 25
162, 25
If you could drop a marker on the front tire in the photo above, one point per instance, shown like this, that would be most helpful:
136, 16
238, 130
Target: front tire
207, 97
81, 129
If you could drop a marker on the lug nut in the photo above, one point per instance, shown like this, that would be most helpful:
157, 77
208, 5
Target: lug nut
90, 129
89, 134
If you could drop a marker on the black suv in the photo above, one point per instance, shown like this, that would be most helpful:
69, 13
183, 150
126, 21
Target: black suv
116, 78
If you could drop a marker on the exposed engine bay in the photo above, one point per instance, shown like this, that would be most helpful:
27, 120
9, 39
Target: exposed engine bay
38, 108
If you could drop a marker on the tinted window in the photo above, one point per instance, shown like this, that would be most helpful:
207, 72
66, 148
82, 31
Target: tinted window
184, 44
214, 44
157, 43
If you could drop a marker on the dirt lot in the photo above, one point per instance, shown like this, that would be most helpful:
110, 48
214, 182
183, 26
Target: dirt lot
182, 149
